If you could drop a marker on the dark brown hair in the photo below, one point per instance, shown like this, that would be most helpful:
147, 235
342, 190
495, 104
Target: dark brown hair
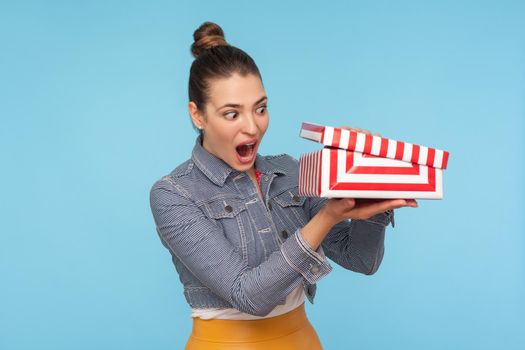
214, 58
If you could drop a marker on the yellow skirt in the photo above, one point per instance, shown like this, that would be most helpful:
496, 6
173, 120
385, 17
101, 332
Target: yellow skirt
289, 331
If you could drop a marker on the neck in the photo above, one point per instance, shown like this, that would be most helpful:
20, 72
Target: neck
251, 172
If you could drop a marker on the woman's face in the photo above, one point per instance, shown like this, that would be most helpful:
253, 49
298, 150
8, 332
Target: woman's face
235, 119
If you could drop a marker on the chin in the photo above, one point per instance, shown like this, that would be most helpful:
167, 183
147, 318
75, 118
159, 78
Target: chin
243, 167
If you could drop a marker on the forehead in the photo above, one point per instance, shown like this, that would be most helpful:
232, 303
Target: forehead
237, 89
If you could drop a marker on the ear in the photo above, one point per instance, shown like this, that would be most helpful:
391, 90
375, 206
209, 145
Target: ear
196, 116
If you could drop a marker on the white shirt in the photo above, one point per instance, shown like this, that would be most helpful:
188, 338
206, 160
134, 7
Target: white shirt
293, 300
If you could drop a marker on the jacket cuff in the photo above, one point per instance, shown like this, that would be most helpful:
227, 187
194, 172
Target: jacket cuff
313, 265
384, 218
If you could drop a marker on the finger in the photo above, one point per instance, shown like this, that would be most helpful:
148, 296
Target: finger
371, 209
412, 203
350, 202
362, 201
377, 134
346, 202
363, 131
351, 128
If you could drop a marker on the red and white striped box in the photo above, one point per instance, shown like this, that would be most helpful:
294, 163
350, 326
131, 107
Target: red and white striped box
357, 165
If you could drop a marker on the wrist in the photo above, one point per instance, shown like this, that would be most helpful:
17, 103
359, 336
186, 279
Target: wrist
317, 228
328, 217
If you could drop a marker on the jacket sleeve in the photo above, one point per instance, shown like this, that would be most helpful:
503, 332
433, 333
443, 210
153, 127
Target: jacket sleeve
200, 244
356, 245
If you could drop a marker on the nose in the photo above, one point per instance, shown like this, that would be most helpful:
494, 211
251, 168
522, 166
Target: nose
249, 125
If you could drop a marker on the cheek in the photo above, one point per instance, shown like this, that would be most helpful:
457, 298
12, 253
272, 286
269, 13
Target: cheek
222, 133
220, 140
263, 124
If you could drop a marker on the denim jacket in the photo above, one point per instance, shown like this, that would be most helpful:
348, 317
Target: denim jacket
232, 249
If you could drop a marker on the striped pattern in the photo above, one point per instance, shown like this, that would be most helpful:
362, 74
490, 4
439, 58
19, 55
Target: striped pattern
340, 173
310, 174
228, 248
208, 256
375, 145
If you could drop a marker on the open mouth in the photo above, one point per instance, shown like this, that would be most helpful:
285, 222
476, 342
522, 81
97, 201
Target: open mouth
246, 151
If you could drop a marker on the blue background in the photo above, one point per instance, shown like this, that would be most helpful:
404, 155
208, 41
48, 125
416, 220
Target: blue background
94, 110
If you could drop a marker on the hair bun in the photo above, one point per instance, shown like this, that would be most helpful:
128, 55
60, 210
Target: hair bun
208, 35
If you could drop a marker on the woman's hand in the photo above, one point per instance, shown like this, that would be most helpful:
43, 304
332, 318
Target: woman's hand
364, 131
360, 208
339, 209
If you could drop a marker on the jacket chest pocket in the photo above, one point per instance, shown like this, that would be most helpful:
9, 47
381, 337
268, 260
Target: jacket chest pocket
230, 214
289, 212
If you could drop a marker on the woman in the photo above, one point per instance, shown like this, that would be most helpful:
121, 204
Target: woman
246, 246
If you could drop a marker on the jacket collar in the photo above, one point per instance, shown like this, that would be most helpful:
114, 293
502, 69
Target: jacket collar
218, 170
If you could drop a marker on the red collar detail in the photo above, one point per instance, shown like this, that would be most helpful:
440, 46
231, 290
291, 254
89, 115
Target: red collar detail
258, 176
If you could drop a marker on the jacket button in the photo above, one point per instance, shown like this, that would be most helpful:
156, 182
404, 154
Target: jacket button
228, 208
284, 234
296, 198
314, 269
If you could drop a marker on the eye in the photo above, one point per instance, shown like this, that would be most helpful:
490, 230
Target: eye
261, 110
230, 115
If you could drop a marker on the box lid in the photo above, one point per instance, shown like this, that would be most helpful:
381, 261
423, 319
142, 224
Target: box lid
374, 145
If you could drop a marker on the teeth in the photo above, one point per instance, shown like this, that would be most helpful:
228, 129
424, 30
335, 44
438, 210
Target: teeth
246, 150
248, 144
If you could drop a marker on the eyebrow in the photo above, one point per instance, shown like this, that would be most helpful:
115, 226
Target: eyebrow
235, 105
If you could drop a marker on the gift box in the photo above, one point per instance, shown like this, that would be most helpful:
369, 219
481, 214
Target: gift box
357, 165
